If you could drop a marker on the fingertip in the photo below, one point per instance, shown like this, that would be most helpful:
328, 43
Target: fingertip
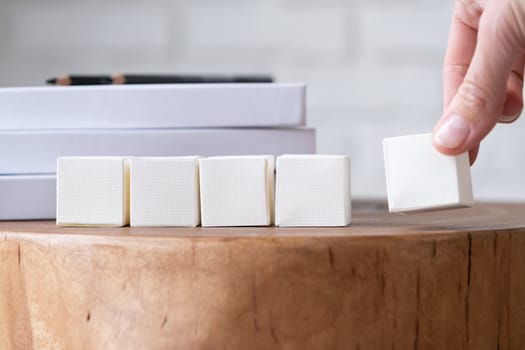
451, 134
437, 145
473, 152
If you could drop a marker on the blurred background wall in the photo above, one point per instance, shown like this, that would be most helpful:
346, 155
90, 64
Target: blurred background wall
373, 67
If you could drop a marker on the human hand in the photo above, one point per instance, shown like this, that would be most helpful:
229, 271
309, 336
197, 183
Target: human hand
482, 74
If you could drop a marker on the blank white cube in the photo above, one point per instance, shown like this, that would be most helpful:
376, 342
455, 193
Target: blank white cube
418, 177
237, 191
313, 190
92, 191
164, 191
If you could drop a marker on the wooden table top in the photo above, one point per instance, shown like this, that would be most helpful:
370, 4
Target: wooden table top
369, 219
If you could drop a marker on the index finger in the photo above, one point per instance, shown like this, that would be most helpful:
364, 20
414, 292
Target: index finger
460, 49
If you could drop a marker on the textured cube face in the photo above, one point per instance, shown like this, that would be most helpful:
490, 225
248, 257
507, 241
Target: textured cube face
164, 191
237, 191
313, 190
418, 177
92, 191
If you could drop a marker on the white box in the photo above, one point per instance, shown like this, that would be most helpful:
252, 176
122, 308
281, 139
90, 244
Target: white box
92, 191
418, 177
36, 151
164, 191
237, 191
153, 106
313, 190
27, 197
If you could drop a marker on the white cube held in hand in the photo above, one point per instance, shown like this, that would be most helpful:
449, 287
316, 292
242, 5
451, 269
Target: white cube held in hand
92, 191
418, 177
164, 191
313, 190
237, 191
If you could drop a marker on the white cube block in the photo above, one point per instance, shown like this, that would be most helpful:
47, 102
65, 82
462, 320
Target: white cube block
313, 190
164, 191
237, 191
418, 177
92, 191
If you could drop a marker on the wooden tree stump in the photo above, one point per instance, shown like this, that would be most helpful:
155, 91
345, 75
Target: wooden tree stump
441, 280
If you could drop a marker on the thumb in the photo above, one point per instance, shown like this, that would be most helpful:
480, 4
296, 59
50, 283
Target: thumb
478, 104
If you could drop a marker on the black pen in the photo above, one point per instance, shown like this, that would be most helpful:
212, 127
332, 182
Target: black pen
157, 79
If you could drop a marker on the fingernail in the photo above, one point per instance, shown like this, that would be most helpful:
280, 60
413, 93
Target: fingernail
508, 118
453, 132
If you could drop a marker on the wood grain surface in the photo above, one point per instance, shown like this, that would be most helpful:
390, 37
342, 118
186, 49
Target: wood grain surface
441, 280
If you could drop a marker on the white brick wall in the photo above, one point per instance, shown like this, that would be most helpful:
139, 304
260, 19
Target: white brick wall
403, 31
368, 85
5, 24
78, 27
262, 30
373, 67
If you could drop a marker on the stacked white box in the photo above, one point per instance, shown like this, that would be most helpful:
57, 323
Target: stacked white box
313, 190
237, 190
27, 196
40, 124
164, 191
92, 191
418, 177
153, 106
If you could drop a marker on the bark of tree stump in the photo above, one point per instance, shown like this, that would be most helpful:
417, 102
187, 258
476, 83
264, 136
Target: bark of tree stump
441, 280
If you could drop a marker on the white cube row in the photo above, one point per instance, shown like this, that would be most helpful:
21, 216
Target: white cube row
311, 190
